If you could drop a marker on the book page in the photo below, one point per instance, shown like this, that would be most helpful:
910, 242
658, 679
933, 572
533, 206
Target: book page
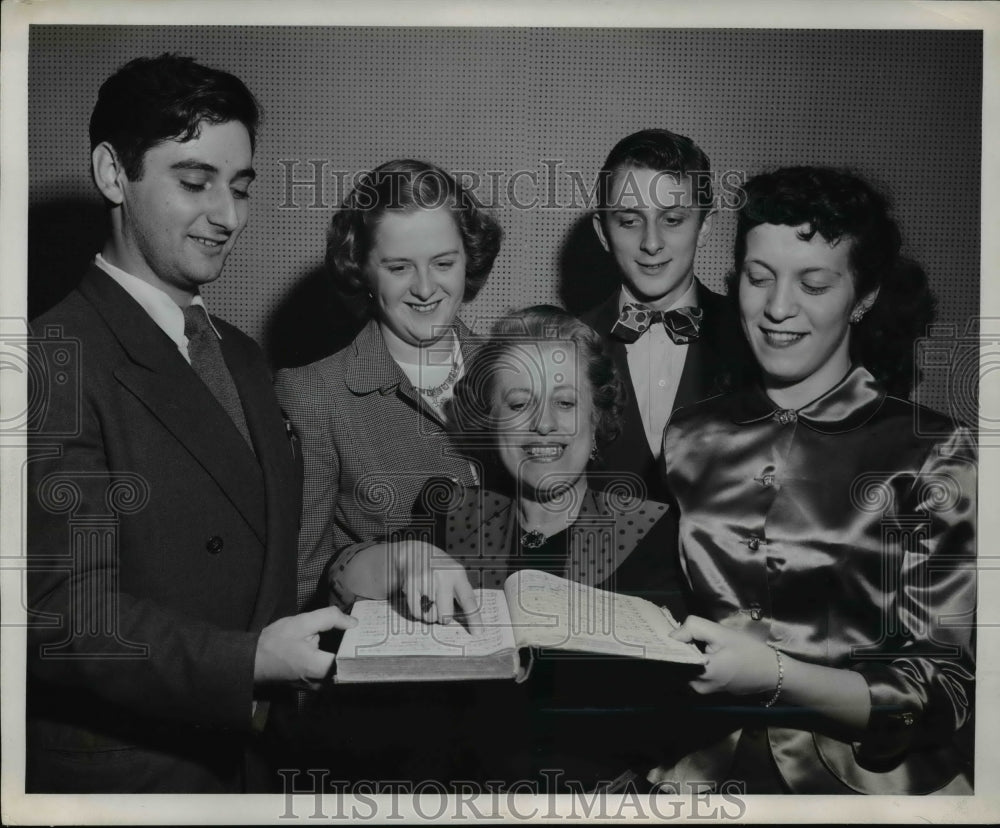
549, 611
383, 631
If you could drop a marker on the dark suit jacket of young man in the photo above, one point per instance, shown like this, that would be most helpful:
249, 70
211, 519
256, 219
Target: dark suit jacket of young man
159, 546
628, 460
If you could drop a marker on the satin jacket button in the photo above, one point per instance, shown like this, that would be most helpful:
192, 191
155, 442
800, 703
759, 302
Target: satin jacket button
756, 613
214, 544
754, 543
767, 480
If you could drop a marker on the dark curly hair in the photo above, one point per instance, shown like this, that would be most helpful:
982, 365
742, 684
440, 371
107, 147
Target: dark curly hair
152, 100
839, 204
405, 185
470, 411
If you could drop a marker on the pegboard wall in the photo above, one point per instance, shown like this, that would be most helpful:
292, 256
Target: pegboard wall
524, 109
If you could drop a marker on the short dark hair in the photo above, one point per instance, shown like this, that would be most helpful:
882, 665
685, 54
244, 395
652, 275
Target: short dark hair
663, 151
470, 411
840, 205
404, 185
152, 100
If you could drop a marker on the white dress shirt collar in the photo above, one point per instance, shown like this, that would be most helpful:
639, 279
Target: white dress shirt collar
163, 310
655, 366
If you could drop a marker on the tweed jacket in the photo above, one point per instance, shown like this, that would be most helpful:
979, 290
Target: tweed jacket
369, 443
628, 460
159, 547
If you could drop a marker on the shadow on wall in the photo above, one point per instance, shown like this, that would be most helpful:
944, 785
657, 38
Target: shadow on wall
587, 273
311, 322
63, 237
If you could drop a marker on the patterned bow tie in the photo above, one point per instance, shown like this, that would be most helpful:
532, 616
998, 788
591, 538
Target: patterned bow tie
682, 324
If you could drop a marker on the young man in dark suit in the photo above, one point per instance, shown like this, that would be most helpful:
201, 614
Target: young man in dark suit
164, 494
655, 209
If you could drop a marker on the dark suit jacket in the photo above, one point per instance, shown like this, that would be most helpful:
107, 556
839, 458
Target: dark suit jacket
158, 546
628, 459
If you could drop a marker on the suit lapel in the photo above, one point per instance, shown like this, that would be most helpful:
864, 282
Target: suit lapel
282, 491
630, 449
700, 366
632, 442
372, 367
691, 386
172, 392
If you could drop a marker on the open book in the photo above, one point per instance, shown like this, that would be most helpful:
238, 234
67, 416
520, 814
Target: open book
534, 609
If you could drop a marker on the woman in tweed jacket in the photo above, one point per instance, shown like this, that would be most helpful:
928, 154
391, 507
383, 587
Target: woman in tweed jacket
412, 243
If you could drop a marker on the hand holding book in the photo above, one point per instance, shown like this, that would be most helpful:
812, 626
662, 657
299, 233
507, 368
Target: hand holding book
534, 609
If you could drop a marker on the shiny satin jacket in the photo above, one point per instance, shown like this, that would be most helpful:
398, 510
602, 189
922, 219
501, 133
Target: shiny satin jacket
843, 534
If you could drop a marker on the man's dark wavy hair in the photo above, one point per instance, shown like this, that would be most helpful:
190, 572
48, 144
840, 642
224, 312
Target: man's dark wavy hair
404, 185
152, 100
841, 205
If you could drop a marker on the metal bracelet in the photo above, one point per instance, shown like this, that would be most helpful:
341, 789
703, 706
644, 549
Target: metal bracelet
781, 677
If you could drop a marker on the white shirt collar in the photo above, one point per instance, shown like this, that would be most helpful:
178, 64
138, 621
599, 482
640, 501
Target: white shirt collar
688, 299
163, 310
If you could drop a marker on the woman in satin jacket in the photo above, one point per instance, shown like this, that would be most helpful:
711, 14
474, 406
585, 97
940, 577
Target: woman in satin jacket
827, 524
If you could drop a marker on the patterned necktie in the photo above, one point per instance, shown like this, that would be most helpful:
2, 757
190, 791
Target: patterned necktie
682, 324
207, 361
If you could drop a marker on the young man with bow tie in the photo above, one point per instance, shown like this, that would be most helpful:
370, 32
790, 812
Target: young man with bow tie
655, 209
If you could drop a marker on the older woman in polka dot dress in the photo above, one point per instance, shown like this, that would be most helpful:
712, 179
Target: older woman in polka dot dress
536, 404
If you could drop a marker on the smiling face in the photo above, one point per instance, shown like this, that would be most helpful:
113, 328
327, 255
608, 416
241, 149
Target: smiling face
176, 224
544, 415
653, 230
796, 299
416, 268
